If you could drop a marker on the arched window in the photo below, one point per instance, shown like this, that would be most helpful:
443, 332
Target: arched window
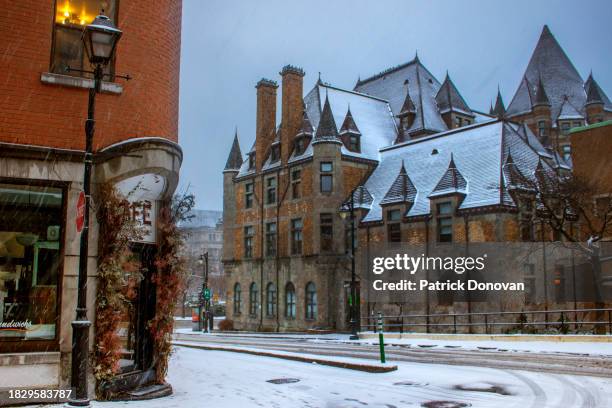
311, 301
290, 301
253, 299
237, 299
271, 300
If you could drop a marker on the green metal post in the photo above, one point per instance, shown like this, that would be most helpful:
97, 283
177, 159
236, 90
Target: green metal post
381, 339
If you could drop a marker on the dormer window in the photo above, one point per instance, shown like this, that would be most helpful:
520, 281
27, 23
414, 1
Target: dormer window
354, 143
251, 161
275, 154
299, 146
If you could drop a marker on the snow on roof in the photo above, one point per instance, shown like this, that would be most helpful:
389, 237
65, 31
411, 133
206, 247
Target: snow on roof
372, 116
412, 77
559, 78
477, 152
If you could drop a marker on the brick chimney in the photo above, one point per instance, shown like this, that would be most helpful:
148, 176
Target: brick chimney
266, 119
292, 107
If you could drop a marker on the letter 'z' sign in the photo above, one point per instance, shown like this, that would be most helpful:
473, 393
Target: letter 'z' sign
80, 212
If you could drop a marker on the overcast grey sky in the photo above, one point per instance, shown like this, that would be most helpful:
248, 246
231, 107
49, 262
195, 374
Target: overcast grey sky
228, 46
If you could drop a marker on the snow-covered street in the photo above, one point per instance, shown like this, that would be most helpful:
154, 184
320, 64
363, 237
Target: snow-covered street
218, 379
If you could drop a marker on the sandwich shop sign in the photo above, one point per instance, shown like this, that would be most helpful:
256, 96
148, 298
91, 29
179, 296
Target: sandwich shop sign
143, 193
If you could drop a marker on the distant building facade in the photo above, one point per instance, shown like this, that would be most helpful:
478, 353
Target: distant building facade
204, 234
422, 166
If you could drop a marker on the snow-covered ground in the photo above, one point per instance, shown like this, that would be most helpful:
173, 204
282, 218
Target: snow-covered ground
590, 348
217, 379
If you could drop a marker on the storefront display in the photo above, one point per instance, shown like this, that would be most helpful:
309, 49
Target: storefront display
30, 261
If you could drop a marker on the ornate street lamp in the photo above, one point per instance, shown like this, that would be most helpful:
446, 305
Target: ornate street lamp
349, 210
100, 41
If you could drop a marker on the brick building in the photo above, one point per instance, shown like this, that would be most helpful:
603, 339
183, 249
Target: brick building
552, 97
422, 165
42, 142
204, 234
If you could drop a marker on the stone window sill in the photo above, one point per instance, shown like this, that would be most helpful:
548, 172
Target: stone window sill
76, 82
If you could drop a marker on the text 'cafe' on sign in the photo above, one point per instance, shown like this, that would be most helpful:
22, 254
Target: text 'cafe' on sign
142, 193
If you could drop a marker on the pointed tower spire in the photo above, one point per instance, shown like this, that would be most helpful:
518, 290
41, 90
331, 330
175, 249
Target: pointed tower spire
306, 128
408, 105
234, 160
541, 99
593, 91
499, 110
327, 130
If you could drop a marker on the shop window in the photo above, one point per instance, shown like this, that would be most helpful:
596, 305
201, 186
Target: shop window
249, 232
70, 18
237, 299
311, 301
445, 222
296, 236
271, 239
296, 184
271, 190
30, 261
327, 178
290, 301
253, 299
327, 232
248, 195
271, 300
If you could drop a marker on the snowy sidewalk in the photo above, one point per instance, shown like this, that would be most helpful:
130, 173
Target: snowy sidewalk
365, 365
586, 348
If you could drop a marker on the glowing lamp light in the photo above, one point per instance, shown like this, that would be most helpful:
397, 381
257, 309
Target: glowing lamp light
100, 39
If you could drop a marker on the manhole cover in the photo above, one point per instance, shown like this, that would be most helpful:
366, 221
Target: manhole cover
445, 404
283, 380
411, 384
484, 387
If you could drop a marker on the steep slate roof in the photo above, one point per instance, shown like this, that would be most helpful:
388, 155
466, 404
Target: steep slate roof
413, 78
306, 128
559, 78
568, 111
478, 152
448, 98
451, 182
349, 126
401, 191
407, 106
362, 198
372, 117
326, 130
595, 94
234, 160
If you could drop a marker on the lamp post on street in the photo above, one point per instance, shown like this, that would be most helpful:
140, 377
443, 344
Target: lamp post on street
100, 41
353, 299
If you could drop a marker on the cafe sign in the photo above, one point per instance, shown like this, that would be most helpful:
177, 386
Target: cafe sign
143, 193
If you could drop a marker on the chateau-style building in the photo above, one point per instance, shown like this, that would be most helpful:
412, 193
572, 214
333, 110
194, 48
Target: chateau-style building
422, 167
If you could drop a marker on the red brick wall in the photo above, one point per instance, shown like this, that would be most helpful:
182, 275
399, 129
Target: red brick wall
35, 113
